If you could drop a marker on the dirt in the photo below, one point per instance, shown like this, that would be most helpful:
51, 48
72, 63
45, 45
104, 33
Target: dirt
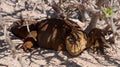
48, 58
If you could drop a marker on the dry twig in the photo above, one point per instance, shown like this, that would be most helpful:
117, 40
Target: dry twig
21, 62
11, 45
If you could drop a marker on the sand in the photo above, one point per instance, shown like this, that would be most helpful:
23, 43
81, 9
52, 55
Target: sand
43, 57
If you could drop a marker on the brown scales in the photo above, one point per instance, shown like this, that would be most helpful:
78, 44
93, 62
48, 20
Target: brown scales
76, 42
97, 41
56, 34
29, 42
20, 30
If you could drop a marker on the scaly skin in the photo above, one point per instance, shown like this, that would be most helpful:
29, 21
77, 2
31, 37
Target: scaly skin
76, 42
57, 34
97, 41
30, 43
20, 30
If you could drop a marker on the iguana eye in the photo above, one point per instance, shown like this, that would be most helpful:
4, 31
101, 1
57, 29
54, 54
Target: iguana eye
70, 40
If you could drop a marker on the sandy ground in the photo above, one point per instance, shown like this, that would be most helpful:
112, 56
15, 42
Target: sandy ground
48, 58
